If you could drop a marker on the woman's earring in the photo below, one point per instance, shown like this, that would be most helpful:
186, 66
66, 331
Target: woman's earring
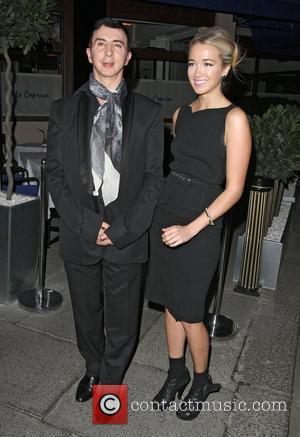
223, 80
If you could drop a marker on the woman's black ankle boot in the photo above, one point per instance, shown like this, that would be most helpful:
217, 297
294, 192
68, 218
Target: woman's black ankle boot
191, 406
177, 380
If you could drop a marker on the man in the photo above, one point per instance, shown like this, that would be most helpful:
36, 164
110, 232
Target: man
104, 173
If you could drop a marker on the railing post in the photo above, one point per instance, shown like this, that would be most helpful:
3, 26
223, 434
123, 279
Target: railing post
220, 326
41, 298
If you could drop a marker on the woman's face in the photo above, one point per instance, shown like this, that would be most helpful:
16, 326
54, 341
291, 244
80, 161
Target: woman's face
205, 68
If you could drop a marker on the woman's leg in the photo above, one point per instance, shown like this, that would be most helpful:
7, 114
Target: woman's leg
202, 385
178, 375
175, 336
197, 338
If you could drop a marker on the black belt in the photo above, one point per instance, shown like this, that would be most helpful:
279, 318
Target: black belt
191, 180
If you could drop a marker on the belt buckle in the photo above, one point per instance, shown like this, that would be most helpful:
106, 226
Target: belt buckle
182, 177
186, 179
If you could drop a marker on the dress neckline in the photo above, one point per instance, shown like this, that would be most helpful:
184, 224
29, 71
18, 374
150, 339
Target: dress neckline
209, 109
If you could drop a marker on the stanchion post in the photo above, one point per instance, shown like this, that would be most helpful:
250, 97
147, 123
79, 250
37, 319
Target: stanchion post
218, 325
41, 298
43, 218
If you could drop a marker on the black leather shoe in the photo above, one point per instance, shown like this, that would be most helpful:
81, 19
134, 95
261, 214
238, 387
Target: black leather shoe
85, 388
168, 391
191, 406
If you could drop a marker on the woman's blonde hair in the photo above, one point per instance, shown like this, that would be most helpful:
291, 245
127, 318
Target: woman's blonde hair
222, 40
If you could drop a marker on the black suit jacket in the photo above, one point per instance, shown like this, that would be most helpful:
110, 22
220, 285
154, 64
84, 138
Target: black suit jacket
70, 182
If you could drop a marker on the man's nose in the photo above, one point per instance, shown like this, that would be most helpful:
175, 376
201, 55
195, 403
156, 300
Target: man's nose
108, 51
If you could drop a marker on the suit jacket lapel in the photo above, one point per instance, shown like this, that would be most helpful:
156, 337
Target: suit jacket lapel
86, 111
127, 121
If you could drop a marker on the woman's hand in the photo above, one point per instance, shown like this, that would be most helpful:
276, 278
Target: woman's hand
175, 235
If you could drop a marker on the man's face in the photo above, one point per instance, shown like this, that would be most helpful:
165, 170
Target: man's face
108, 54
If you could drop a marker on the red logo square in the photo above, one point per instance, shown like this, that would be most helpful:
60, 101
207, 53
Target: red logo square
110, 404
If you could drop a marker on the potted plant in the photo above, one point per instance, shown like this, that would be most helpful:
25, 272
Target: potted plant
276, 138
23, 24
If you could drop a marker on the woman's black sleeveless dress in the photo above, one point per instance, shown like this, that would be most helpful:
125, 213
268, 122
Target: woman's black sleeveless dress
179, 278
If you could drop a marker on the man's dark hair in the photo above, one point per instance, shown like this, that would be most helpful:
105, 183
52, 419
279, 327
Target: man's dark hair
108, 22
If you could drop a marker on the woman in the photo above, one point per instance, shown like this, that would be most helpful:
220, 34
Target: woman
211, 150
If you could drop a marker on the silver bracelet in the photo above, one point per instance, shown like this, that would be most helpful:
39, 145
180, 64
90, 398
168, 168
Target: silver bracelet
211, 222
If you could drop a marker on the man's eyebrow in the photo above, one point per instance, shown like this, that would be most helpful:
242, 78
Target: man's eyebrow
119, 41
115, 40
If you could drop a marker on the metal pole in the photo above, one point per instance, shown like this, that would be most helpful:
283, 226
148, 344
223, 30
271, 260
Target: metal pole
41, 298
43, 218
220, 326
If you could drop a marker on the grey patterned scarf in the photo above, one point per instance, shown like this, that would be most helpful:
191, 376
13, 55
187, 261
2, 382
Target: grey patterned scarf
106, 137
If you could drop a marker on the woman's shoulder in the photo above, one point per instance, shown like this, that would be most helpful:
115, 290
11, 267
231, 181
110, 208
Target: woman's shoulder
236, 114
237, 124
176, 115
179, 111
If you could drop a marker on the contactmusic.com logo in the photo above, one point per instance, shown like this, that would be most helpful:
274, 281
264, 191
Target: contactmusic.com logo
110, 404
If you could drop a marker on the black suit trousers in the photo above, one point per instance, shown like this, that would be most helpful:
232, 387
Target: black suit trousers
106, 302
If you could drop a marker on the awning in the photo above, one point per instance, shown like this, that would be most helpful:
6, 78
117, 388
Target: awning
274, 24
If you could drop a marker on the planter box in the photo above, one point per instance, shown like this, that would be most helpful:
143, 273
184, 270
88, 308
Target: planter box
269, 262
19, 246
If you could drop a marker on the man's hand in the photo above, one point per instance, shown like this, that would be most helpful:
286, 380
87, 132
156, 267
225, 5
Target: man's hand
102, 238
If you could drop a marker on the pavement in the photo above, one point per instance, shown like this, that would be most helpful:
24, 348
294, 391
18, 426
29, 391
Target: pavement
260, 394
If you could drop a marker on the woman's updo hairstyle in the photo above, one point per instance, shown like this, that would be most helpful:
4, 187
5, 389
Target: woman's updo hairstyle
222, 40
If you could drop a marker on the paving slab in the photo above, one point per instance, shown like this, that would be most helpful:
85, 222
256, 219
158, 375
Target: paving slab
295, 225
14, 423
152, 351
223, 359
288, 296
293, 246
294, 425
40, 365
239, 308
35, 368
54, 263
266, 414
12, 312
149, 317
59, 283
59, 323
142, 382
289, 269
268, 357
287, 292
